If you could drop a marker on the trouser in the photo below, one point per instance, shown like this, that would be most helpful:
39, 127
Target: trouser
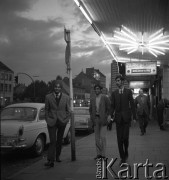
100, 138
143, 122
55, 144
160, 117
122, 131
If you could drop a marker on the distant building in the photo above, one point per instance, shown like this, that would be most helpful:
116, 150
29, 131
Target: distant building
83, 85
6, 84
82, 80
95, 73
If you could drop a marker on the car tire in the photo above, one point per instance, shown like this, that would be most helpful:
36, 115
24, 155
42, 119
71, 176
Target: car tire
67, 139
38, 146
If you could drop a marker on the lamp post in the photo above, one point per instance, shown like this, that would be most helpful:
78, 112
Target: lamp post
69, 70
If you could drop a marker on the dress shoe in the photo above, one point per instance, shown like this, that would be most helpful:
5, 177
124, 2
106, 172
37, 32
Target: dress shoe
122, 161
141, 134
126, 155
97, 157
144, 130
162, 128
49, 164
58, 159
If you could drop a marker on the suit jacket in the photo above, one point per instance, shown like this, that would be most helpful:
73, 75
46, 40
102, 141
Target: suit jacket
122, 106
56, 113
142, 104
104, 109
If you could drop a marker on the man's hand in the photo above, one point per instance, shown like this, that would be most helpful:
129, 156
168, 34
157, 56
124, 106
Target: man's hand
109, 119
134, 121
110, 122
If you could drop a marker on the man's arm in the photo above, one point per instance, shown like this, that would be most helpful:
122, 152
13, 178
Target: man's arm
68, 110
112, 105
46, 107
132, 104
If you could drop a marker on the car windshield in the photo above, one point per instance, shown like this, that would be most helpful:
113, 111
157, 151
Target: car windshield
19, 113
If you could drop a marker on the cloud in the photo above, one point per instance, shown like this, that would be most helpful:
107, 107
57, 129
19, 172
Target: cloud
11, 7
32, 38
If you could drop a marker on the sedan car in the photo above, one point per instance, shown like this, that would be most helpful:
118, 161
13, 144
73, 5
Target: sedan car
82, 119
23, 126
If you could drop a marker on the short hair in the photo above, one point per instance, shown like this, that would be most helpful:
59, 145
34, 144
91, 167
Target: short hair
120, 77
98, 85
58, 81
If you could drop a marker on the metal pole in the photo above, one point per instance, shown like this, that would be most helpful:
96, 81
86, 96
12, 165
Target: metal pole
4, 89
73, 152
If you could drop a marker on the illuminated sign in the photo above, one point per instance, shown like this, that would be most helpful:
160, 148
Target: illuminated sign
139, 84
141, 68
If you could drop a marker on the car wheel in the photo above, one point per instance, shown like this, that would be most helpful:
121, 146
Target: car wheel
39, 145
67, 138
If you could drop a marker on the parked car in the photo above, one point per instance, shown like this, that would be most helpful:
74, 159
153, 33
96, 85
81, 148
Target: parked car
23, 126
82, 119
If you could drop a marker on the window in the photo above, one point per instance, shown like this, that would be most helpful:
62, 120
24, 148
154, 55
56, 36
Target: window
6, 87
10, 88
10, 77
19, 113
2, 76
1, 87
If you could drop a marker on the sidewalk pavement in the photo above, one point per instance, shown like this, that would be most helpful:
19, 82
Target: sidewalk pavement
154, 146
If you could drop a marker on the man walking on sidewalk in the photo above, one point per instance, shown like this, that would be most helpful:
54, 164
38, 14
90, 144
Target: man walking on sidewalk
163, 103
57, 112
99, 110
142, 105
122, 104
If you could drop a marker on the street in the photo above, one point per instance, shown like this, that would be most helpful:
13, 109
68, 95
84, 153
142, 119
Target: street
12, 163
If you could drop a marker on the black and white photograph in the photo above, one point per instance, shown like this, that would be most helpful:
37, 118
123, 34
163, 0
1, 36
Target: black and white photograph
84, 89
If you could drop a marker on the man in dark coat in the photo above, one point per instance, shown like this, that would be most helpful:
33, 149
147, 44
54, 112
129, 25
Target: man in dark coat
57, 112
122, 109
142, 105
163, 103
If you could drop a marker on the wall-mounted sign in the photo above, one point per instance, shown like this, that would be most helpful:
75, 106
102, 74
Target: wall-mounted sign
141, 68
139, 84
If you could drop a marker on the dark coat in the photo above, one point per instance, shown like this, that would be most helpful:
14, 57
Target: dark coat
142, 105
163, 103
104, 109
55, 113
122, 107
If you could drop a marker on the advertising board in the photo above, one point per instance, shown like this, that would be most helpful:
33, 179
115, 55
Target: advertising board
141, 68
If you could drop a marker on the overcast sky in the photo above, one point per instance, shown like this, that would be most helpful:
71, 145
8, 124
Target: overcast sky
32, 39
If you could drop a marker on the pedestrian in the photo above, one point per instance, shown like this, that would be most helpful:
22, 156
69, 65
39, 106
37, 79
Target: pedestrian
99, 111
163, 103
122, 109
142, 104
57, 112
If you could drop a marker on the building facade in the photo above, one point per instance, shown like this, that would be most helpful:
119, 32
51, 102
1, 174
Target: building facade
96, 74
6, 84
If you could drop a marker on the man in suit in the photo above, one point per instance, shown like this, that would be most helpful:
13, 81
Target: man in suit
99, 110
162, 104
57, 112
122, 109
142, 105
